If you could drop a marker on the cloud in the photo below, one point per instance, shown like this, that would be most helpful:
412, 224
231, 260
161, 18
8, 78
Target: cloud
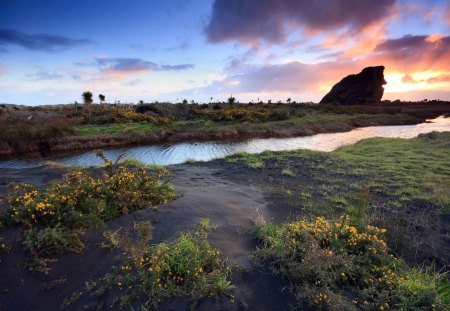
432, 80
133, 82
182, 46
44, 75
3, 69
439, 79
126, 64
252, 21
414, 53
136, 65
406, 56
176, 67
121, 68
42, 42
408, 79
294, 77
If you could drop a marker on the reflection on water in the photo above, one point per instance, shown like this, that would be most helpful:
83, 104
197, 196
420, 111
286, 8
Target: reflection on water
179, 153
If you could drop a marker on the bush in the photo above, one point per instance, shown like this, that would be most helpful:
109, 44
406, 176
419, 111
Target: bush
188, 267
106, 114
335, 266
54, 219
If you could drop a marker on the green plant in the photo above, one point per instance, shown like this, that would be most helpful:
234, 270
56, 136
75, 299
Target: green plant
288, 172
336, 266
53, 220
187, 267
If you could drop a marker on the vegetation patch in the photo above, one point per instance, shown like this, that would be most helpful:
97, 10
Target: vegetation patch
148, 274
336, 266
52, 221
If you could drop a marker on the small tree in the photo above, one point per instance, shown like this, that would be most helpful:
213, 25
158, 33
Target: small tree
231, 100
87, 97
101, 97
288, 100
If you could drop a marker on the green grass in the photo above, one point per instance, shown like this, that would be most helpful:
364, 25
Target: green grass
288, 172
312, 119
413, 168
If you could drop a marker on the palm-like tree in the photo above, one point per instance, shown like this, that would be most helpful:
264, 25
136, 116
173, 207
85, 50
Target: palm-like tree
101, 97
231, 100
87, 97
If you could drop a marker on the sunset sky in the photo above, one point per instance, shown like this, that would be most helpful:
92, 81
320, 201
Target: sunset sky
53, 50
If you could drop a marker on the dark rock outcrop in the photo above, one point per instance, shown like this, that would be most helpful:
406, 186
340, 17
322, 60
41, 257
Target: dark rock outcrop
365, 87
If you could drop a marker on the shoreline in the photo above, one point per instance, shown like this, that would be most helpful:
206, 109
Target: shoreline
237, 133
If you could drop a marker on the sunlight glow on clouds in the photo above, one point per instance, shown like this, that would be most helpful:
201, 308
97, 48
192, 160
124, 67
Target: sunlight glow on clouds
267, 49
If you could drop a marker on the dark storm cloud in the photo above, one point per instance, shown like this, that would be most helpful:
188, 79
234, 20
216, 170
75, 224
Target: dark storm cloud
42, 42
136, 65
269, 20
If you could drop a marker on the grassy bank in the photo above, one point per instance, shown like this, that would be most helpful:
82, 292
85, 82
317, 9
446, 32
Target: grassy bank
369, 222
72, 127
396, 183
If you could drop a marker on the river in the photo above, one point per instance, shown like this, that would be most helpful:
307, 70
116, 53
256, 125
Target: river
204, 151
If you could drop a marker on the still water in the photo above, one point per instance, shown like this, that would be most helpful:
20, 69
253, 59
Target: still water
203, 151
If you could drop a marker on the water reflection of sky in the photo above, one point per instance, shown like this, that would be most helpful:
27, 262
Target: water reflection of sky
203, 151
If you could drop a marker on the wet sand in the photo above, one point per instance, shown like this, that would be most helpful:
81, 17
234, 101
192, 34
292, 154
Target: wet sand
205, 192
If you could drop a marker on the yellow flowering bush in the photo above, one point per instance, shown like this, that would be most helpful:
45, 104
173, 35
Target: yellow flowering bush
187, 267
337, 266
53, 219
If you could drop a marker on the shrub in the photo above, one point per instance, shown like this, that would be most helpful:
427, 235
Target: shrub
336, 266
187, 267
55, 218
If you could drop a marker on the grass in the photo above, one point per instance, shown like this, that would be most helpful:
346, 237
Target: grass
148, 274
415, 168
288, 172
335, 266
397, 184
251, 160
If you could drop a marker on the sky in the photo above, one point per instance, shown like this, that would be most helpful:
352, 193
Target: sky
207, 50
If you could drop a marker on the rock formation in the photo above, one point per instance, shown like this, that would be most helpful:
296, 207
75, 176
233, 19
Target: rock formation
365, 87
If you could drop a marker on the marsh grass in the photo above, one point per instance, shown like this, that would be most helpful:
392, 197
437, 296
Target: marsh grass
150, 273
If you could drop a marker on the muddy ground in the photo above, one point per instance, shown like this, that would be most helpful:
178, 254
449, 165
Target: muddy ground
206, 192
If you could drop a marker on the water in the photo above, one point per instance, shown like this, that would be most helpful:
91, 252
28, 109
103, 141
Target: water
203, 151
